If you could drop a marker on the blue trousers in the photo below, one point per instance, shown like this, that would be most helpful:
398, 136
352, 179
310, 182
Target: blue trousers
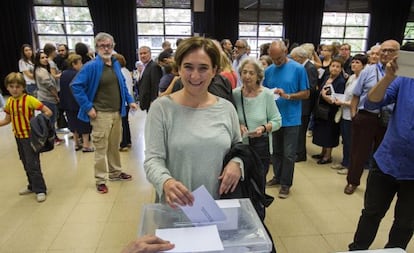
284, 144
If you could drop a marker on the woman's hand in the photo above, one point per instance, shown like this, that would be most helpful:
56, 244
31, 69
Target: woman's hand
243, 130
176, 193
259, 131
230, 177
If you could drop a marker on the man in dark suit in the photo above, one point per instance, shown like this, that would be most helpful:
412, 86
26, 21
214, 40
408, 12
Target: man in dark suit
150, 78
300, 55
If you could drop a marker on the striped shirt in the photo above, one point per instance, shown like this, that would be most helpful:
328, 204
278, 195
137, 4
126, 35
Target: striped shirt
21, 110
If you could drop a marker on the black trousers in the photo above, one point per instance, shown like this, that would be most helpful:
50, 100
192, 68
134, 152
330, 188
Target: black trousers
31, 164
381, 189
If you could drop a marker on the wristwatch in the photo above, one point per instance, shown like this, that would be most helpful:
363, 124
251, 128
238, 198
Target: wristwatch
288, 96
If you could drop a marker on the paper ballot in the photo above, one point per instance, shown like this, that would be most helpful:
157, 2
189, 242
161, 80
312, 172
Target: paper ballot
204, 210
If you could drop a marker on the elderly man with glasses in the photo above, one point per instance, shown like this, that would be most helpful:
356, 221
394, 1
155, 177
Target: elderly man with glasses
239, 54
101, 92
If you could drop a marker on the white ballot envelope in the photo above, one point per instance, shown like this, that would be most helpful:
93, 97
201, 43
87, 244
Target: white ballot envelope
204, 210
405, 64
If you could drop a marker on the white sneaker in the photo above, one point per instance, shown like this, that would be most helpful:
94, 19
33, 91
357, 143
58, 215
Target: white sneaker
337, 166
41, 197
343, 171
25, 191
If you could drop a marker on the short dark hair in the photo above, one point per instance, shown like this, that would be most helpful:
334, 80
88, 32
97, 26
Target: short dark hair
362, 58
190, 45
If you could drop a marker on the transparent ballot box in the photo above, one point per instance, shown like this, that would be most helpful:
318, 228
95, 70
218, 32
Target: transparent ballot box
242, 231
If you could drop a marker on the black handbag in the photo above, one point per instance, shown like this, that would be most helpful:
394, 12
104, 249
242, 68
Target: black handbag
321, 111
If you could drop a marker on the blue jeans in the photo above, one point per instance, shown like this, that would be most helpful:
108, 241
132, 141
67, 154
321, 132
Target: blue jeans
53, 107
31, 89
381, 189
284, 144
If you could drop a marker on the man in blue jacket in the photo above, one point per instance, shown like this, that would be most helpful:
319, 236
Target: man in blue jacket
394, 157
101, 92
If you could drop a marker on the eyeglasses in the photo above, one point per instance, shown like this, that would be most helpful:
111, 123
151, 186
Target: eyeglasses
236, 46
105, 46
388, 50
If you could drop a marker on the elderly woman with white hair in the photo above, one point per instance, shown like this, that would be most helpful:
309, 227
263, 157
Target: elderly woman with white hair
256, 109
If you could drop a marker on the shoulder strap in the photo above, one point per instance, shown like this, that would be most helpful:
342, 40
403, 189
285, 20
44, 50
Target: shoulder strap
242, 104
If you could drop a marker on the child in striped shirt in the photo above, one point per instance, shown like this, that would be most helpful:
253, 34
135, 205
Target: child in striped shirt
19, 110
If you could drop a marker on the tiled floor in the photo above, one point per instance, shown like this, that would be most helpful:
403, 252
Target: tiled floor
316, 218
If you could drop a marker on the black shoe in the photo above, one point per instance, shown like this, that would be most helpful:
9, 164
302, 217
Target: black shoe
317, 156
301, 159
323, 161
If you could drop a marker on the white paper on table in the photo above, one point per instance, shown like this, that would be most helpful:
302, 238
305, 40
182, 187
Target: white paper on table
405, 64
192, 239
204, 210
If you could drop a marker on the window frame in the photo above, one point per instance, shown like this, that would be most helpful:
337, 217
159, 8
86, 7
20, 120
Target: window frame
62, 37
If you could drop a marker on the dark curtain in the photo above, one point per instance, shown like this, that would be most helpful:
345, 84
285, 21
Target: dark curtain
119, 19
388, 20
220, 20
16, 30
303, 20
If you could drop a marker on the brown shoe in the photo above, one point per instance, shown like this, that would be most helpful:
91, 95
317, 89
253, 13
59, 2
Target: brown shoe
349, 189
284, 192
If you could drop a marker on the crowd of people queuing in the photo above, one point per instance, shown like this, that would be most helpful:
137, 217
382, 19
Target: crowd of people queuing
212, 94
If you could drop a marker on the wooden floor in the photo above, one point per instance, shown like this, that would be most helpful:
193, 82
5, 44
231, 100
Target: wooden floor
316, 218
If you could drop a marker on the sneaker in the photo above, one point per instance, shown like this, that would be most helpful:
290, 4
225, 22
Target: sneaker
40, 197
272, 182
101, 188
25, 191
123, 149
343, 171
121, 177
284, 192
337, 166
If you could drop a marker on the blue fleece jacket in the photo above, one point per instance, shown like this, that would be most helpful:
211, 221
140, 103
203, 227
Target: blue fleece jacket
86, 82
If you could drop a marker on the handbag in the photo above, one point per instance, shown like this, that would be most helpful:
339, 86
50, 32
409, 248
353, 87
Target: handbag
321, 111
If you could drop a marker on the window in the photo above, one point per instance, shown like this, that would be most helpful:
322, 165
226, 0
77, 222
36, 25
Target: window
260, 22
346, 22
351, 28
409, 32
160, 20
62, 22
409, 27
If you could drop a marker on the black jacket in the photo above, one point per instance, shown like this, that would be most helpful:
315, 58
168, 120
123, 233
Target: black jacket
148, 84
254, 183
220, 86
42, 135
